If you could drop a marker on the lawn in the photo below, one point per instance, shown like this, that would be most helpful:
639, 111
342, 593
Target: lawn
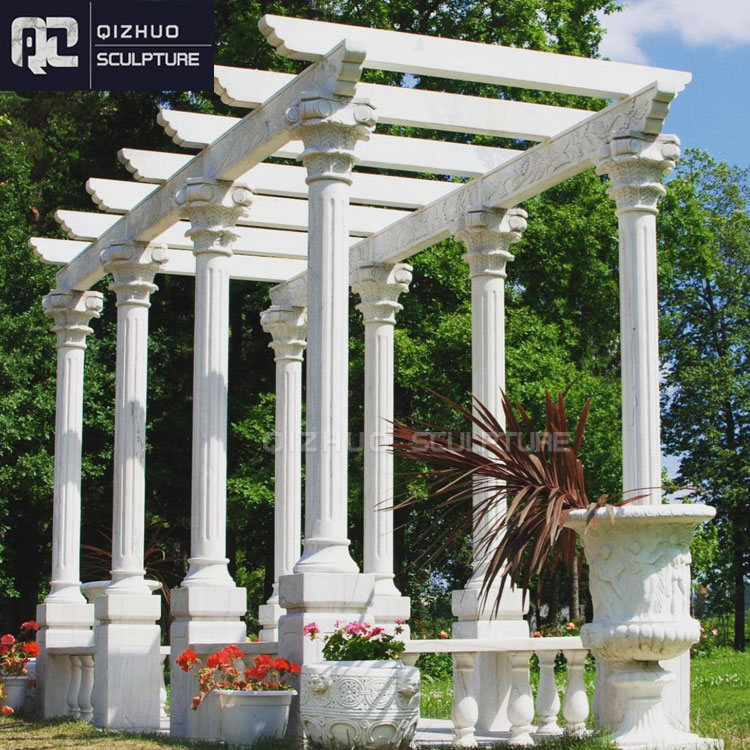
720, 708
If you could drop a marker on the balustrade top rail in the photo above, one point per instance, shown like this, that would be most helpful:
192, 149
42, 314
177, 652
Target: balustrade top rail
471, 645
254, 648
70, 650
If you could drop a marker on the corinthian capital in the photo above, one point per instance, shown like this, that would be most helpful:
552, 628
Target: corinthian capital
329, 128
487, 234
213, 207
71, 312
635, 167
133, 266
288, 327
379, 286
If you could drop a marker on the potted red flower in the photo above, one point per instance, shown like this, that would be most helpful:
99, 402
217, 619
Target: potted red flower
14, 655
254, 701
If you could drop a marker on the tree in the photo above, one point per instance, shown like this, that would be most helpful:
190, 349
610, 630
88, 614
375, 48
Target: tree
705, 299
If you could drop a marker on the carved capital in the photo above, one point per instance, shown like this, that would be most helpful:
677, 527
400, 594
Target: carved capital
635, 167
133, 266
379, 286
288, 327
330, 127
213, 207
71, 312
487, 234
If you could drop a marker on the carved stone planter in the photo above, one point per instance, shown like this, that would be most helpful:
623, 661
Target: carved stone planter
367, 704
15, 687
249, 715
639, 573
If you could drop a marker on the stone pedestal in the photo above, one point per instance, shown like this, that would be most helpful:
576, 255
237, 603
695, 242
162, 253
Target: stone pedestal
127, 662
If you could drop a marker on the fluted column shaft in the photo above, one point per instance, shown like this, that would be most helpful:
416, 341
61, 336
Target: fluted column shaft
133, 266
488, 235
288, 327
379, 287
635, 167
71, 312
213, 209
329, 129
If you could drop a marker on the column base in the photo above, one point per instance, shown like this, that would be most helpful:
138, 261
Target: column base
61, 625
201, 615
127, 662
269, 615
492, 674
322, 598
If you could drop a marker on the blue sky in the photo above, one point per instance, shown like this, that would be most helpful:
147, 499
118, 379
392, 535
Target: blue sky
711, 39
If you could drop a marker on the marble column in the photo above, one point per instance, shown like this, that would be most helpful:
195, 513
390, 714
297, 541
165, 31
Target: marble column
65, 617
288, 327
488, 235
636, 166
127, 638
379, 287
326, 584
207, 606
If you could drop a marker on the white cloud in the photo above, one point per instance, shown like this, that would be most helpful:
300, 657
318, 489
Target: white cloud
696, 22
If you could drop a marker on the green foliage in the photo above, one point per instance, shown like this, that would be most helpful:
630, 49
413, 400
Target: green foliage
357, 642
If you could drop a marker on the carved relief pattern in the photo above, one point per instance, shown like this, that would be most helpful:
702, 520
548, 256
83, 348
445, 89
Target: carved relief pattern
379, 287
71, 312
361, 705
641, 114
288, 327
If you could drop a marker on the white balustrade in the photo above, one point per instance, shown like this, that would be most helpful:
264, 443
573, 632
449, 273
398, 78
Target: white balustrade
80, 686
522, 708
163, 715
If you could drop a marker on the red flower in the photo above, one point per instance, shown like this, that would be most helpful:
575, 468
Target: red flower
187, 660
30, 625
295, 668
232, 652
7, 640
443, 634
282, 664
7, 710
32, 649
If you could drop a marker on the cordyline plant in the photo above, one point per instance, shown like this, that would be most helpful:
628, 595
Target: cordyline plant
14, 655
517, 484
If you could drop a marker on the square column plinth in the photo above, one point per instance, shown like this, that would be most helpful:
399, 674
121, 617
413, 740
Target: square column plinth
127, 666
492, 674
201, 615
62, 625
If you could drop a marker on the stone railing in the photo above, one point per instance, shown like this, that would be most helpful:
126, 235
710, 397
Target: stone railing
522, 707
249, 649
80, 679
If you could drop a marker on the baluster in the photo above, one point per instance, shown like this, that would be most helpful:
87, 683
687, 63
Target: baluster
547, 699
521, 702
163, 715
74, 686
465, 711
85, 706
576, 704
410, 660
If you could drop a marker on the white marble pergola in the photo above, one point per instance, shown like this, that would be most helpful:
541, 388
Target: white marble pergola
317, 230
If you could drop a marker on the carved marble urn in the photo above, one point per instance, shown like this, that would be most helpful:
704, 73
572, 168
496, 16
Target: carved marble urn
363, 704
639, 576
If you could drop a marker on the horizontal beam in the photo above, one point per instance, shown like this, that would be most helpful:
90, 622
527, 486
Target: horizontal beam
190, 130
250, 141
180, 262
280, 179
529, 174
417, 108
301, 39
119, 196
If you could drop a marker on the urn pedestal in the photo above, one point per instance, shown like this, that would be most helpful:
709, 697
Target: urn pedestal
365, 704
639, 576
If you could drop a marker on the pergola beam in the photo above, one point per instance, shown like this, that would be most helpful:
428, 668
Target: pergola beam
284, 180
251, 140
529, 174
180, 262
196, 130
301, 39
417, 108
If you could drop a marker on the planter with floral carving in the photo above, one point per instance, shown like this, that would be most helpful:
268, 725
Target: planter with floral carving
639, 576
367, 704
